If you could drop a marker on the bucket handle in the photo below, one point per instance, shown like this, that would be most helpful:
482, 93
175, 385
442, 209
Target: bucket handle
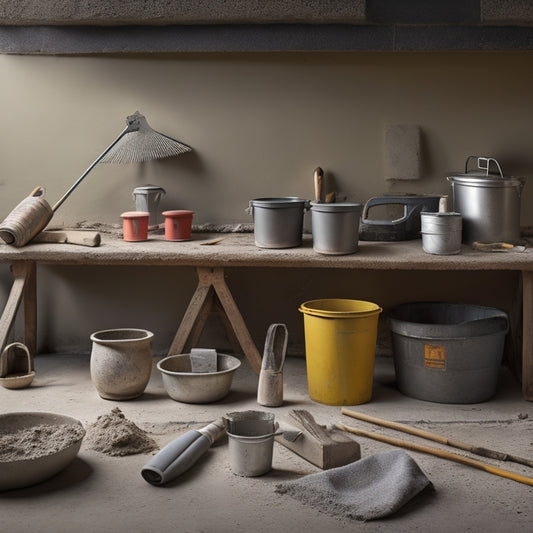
483, 163
4, 370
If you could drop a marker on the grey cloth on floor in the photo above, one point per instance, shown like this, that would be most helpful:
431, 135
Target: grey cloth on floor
373, 487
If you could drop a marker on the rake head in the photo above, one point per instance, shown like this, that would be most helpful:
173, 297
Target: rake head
142, 143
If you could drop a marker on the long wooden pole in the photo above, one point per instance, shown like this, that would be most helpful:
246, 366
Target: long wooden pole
440, 453
478, 450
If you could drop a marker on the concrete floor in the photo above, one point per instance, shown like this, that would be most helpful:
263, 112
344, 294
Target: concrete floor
99, 493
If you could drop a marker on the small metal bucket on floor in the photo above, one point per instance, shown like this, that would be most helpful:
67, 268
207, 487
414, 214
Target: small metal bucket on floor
251, 442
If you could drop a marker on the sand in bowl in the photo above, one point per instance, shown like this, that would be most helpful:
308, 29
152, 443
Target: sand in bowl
38, 441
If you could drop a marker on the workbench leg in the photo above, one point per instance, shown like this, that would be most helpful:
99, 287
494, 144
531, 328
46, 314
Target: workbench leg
527, 335
236, 320
209, 280
195, 315
23, 289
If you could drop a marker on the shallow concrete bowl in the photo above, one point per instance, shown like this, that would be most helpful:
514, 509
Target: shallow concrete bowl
183, 385
19, 473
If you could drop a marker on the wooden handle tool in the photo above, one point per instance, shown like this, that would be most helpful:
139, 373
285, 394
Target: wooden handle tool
318, 179
440, 453
478, 450
82, 238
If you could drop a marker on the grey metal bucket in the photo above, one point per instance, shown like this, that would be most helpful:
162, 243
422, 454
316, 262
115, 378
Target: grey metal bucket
251, 442
335, 227
448, 353
441, 233
278, 222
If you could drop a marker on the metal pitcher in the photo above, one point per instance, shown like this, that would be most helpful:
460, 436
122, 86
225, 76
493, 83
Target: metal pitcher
147, 198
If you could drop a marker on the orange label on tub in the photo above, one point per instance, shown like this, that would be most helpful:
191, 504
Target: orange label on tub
434, 356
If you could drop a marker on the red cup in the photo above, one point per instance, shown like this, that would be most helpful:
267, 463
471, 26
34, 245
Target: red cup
178, 225
135, 225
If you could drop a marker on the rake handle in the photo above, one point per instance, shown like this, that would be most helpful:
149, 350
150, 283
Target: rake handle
439, 453
478, 450
129, 128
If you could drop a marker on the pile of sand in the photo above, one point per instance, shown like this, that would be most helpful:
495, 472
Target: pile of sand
113, 434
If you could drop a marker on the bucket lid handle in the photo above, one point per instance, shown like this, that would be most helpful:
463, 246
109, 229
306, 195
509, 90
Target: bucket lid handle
483, 163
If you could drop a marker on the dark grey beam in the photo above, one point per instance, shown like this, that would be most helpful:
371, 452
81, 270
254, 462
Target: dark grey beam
76, 40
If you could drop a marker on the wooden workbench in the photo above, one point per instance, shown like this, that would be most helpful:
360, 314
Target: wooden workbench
238, 250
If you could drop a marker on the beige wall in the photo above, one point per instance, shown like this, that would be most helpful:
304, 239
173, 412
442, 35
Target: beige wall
259, 124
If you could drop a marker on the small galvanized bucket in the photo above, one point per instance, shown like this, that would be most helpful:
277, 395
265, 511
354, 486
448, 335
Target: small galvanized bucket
278, 222
441, 233
251, 442
336, 227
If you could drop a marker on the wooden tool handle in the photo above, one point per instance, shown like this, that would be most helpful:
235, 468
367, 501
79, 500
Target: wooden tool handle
492, 246
319, 183
83, 238
38, 191
440, 453
478, 450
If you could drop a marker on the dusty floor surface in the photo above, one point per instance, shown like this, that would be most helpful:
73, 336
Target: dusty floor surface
101, 493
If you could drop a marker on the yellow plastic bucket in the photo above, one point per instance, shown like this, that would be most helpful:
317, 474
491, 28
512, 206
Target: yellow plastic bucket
340, 345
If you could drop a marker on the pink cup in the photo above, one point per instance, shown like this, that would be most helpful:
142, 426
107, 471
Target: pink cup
135, 225
178, 225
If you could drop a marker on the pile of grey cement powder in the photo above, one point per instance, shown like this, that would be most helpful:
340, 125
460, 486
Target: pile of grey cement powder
113, 434
38, 441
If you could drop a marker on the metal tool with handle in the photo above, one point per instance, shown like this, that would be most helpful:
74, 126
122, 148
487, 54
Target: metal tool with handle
182, 453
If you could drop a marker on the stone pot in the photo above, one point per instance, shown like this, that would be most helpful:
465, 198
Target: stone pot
121, 362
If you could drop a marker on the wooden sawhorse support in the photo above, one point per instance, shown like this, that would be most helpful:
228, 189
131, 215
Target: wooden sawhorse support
212, 294
23, 290
527, 337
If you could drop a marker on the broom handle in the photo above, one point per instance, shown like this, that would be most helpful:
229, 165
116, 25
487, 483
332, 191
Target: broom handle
478, 450
127, 129
440, 453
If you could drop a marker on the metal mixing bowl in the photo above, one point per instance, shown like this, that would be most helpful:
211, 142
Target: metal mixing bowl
186, 386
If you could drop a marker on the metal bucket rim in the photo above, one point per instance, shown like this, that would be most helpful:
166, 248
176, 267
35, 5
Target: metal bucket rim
487, 182
340, 207
279, 202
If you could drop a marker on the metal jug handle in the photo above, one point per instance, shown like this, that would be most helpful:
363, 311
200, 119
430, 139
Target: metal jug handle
483, 163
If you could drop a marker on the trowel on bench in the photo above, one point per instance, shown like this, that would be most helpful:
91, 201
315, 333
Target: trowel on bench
322, 446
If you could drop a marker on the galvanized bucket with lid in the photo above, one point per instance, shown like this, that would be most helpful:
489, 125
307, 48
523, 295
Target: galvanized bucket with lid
335, 227
488, 201
278, 222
